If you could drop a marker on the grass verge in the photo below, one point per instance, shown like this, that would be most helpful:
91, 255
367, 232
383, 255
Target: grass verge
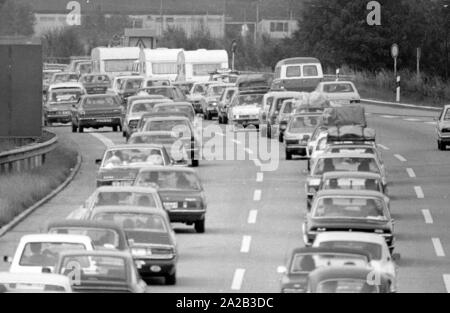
19, 191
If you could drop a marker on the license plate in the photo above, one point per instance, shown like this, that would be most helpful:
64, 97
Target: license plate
66, 112
121, 183
171, 205
106, 120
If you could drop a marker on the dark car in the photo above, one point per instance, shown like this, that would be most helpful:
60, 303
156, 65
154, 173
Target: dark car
254, 81
175, 107
59, 100
104, 235
347, 279
302, 261
95, 83
349, 210
152, 239
128, 87
100, 271
181, 192
184, 86
120, 164
97, 111
179, 124
172, 92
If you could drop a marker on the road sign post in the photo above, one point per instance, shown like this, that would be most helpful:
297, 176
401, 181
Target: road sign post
397, 97
233, 53
394, 53
419, 54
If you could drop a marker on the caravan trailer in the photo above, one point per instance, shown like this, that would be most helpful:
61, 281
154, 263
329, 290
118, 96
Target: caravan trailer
114, 61
160, 63
198, 65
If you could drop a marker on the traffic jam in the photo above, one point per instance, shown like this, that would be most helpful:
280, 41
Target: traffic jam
122, 237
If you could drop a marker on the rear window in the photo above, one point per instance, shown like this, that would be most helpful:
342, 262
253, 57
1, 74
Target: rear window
338, 88
293, 71
46, 254
100, 237
103, 102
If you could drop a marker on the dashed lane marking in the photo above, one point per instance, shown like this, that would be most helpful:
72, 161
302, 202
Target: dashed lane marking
259, 177
447, 282
383, 147
238, 278
438, 247
427, 216
419, 192
252, 216
411, 173
106, 141
246, 242
400, 158
257, 195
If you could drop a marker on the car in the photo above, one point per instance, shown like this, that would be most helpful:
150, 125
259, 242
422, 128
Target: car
353, 146
286, 111
169, 140
129, 86
349, 210
274, 110
170, 107
181, 192
298, 132
211, 99
155, 82
184, 86
381, 259
101, 271
224, 75
197, 93
103, 235
37, 251
245, 107
47, 75
298, 74
353, 181
152, 239
171, 92
254, 81
181, 125
118, 196
303, 261
224, 103
96, 111
34, 283
346, 279
64, 77
339, 92
136, 109
95, 83
117, 81
120, 164
342, 162
443, 128
58, 102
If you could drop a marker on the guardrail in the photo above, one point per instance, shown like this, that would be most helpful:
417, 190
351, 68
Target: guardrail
27, 157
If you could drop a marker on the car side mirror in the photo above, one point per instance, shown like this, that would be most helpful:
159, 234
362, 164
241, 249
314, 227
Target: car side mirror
281, 270
7, 259
131, 242
46, 270
98, 161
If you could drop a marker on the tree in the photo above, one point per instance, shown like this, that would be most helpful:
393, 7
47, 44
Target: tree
16, 19
62, 43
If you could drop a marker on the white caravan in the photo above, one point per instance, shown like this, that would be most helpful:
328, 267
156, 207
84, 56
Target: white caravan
197, 65
160, 63
114, 61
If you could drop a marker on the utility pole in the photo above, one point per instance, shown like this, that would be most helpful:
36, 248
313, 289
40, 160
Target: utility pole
161, 17
257, 20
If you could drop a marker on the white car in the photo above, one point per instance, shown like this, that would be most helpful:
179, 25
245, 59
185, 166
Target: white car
316, 146
245, 108
443, 128
39, 251
381, 260
339, 92
34, 283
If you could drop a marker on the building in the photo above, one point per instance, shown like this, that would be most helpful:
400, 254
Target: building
277, 29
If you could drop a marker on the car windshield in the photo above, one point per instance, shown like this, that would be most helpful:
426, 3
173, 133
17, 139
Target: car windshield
374, 249
346, 285
338, 88
302, 124
58, 96
215, 91
176, 108
100, 237
94, 268
249, 100
355, 149
134, 221
447, 115
350, 208
176, 126
288, 107
132, 84
126, 157
64, 78
46, 254
169, 180
101, 102
345, 164
307, 262
157, 83
352, 183
92, 79
142, 107
166, 92
165, 139
124, 198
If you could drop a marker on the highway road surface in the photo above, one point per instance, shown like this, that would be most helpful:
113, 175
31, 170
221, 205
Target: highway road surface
254, 217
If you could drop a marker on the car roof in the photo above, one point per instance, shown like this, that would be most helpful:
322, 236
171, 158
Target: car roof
126, 189
349, 236
127, 209
369, 175
55, 238
337, 82
46, 278
84, 224
154, 133
349, 193
66, 85
103, 95
135, 146
152, 116
105, 253
331, 250
156, 100
167, 169
180, 103
346, 155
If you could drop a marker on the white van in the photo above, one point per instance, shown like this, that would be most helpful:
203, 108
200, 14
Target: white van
114, 61
298, 74
197, 65
160, 63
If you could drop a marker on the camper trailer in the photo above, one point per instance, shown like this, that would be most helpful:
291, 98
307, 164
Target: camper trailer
114, 61
160, 63
198, 65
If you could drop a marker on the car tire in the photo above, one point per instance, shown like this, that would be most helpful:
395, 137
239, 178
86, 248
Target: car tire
225, 120
81, 129
441, 145
194, 163
171, 279
74, 128
288, 155
269, 131
115, 129
280, 137
124, 134
200, 226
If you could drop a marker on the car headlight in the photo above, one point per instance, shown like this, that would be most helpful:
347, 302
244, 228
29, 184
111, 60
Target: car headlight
213, 103
236, 116
140, 252
314, 182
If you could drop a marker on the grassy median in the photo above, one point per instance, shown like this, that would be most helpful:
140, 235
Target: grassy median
19, 191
